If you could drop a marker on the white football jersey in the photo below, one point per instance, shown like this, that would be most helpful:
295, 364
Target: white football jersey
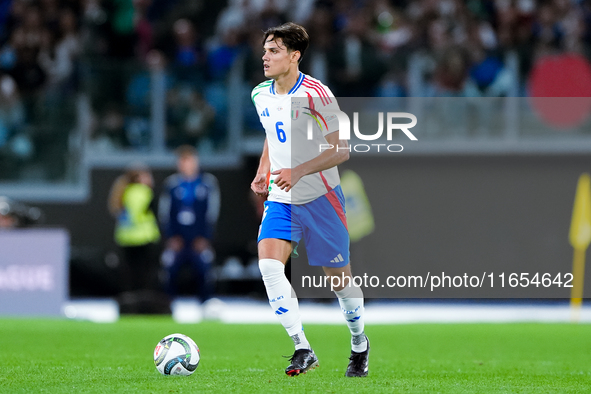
285, 119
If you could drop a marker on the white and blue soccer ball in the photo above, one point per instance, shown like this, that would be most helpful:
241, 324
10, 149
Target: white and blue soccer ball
176, 354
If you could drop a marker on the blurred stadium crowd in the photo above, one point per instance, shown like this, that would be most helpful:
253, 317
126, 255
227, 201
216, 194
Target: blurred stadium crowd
51, 51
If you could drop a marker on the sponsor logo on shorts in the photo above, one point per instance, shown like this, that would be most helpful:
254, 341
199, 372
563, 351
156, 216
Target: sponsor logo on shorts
338, 259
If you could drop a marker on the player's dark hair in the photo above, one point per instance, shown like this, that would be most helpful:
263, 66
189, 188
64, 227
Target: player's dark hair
293, 36
185, 150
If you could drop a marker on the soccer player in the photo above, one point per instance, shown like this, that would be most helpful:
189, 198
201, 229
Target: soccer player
305, 200
188, 210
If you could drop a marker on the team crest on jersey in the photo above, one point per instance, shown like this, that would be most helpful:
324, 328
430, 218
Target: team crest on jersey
295, 110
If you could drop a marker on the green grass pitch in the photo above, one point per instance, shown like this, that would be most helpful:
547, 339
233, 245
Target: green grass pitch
60, 356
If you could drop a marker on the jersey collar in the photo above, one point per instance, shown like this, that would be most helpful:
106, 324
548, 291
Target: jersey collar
293, 89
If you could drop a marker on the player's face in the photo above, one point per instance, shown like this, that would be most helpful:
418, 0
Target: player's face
277, 60
188, 166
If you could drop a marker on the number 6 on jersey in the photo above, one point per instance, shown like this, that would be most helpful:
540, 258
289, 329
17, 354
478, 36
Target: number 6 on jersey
280, 133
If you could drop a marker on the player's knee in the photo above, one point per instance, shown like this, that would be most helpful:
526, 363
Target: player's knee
271, 267
348, 292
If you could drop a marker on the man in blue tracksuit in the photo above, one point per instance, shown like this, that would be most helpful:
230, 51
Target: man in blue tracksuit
188, 211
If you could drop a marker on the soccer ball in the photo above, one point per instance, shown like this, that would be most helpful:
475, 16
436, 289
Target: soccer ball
176, 354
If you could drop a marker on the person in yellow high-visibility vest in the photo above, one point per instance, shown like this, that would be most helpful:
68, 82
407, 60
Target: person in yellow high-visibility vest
131, 202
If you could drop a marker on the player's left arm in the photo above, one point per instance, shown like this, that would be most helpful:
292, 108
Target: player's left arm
337, 154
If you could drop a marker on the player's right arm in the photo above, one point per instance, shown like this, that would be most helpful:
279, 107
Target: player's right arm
167, 217
259, 184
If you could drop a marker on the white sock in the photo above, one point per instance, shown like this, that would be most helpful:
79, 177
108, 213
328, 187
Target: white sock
283, 300
351, 302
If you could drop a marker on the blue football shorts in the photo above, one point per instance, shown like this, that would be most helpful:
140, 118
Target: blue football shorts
321, 223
